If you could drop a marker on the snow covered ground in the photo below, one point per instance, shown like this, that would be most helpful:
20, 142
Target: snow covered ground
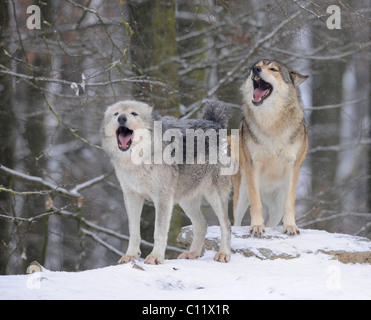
311, 276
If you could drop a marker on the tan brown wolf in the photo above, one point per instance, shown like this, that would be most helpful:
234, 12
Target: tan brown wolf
273, 144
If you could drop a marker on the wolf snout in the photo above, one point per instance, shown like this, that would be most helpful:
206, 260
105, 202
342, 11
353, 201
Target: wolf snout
256, 70
122, 120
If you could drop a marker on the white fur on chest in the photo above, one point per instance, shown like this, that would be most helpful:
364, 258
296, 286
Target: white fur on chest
275, 149
274, 157
143, 180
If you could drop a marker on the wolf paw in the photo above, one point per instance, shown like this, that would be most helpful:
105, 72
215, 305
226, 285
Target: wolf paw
291, 230
191, 255
257, 230
153, 259
222, 257
126, 259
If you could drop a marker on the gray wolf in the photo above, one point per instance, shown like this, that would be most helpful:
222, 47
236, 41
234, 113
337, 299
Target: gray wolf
273, 144
126, 125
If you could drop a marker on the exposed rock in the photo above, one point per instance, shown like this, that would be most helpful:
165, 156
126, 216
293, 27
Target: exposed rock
350, 257
136, 266
276, 245
34, 267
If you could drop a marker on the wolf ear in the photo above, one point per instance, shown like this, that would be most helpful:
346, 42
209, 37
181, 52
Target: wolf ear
297, 78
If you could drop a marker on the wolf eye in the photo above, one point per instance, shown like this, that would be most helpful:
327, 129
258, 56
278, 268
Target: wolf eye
116, 114
134, 114
273, 69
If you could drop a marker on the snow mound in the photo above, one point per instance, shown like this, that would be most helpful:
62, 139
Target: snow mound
307, 274
277, 245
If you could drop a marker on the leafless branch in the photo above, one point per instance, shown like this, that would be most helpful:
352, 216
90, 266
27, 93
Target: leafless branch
72, 131
315, 14
230, 76
111, 232
23, 193
338, 105
95, 13
5, 70
340, 147
102, 242
332, 217
74, 192
46, 184
329, 56
31, 219
90, 182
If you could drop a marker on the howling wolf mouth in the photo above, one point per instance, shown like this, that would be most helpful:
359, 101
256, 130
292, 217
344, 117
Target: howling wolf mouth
262, 90
124, 138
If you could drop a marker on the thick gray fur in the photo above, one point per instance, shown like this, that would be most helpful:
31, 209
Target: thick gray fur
168, 184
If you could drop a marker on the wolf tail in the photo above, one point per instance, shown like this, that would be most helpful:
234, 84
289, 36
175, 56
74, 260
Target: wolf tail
217, 112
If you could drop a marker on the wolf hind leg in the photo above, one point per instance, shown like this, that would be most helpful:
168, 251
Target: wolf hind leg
192, 209
219, 203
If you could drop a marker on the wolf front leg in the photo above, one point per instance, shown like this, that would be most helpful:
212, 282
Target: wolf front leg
164, 208
289, 225
252, 174
134, 206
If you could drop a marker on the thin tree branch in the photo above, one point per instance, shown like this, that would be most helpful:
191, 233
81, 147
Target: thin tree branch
332, 217
231, 74
53, 187
340, 147
5, 70
72, 131
32, 219
102, 242
111, 232
330, 56
339, 105
74, 192
90, 182
23, 193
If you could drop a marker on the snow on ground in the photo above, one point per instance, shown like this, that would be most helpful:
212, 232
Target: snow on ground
311, 276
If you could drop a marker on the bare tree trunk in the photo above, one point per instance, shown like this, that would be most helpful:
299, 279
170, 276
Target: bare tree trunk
7, 137
154, 47
325, 126
35, 136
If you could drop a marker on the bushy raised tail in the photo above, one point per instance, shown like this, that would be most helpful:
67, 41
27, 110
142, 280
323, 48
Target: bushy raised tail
217, 112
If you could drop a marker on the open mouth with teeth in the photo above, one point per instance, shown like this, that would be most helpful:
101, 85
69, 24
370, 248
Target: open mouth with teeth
262, 90
124, 138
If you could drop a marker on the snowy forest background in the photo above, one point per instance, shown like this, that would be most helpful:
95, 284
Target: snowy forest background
60, 202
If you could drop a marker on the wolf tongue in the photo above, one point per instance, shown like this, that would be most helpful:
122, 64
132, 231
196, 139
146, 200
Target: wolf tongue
258, 94
124, 139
